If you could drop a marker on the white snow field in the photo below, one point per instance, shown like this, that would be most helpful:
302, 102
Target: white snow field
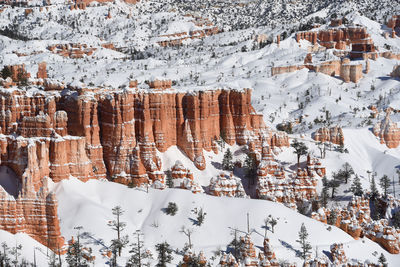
89, 205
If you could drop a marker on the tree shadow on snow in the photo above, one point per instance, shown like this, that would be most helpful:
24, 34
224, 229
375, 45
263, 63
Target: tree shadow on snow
216, 165
290, 247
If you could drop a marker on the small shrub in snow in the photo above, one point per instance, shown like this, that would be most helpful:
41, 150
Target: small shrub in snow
172, 209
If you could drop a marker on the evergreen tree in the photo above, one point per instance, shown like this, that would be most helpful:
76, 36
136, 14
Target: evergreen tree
5, 72
138, 253
16, 252
334, 184
272, 222
324, 192
305, 245
374, 190
356, 187
172, 209
300, 149
382, 260
118, 226
170, 182
385, 184
250, 168
75, 255
347, 171
4, 252
227, 163
396, 219
164, 254
235, 243
201, 216
332, 218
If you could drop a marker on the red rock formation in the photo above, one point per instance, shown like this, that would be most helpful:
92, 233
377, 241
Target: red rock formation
338, 255
308, 59
394, 24
94, 134
272, 183
336, 22
228, 260
225, 185
183, 178
248, 253
333, 135
72, 50
160, 84
42, 71
387, 131
18, 72
385, 235
34, 213
396, 72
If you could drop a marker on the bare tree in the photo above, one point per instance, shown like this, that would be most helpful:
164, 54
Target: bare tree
188, 233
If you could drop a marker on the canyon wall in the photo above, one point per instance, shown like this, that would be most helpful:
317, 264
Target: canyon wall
99, 134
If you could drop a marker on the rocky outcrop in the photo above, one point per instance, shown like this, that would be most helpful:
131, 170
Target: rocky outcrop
348, 72
387, 131
396, 72
333, 135
273, 183
183, 178
226, 185
385, 235
337, 254
394, 24
248, 253
204, 26
33, 211
115, 134
72, 50
42, 71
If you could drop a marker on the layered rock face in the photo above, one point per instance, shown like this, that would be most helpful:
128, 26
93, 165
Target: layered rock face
97, 134
183, 178
348, 72
72, 50
333, 135
340, 38
32, 212
387, 131
225, 185
394, 24
273, 183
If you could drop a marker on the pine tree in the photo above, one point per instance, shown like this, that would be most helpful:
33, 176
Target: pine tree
324, 192
164, 254
201, 216
235, 243
332, 218
4, 258
250, 168
170, 182
382, 260
347, 171
374, 190
5, 72
118, 226
273, 222
300, 149
384, 182
75, 254
334, 184
305, 245
138, 253
356, 187
172, 209
227, 163
16, 252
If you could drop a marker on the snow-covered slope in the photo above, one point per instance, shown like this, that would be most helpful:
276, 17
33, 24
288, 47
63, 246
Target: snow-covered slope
89, 205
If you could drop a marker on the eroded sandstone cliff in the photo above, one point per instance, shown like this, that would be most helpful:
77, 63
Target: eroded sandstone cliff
114, 134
